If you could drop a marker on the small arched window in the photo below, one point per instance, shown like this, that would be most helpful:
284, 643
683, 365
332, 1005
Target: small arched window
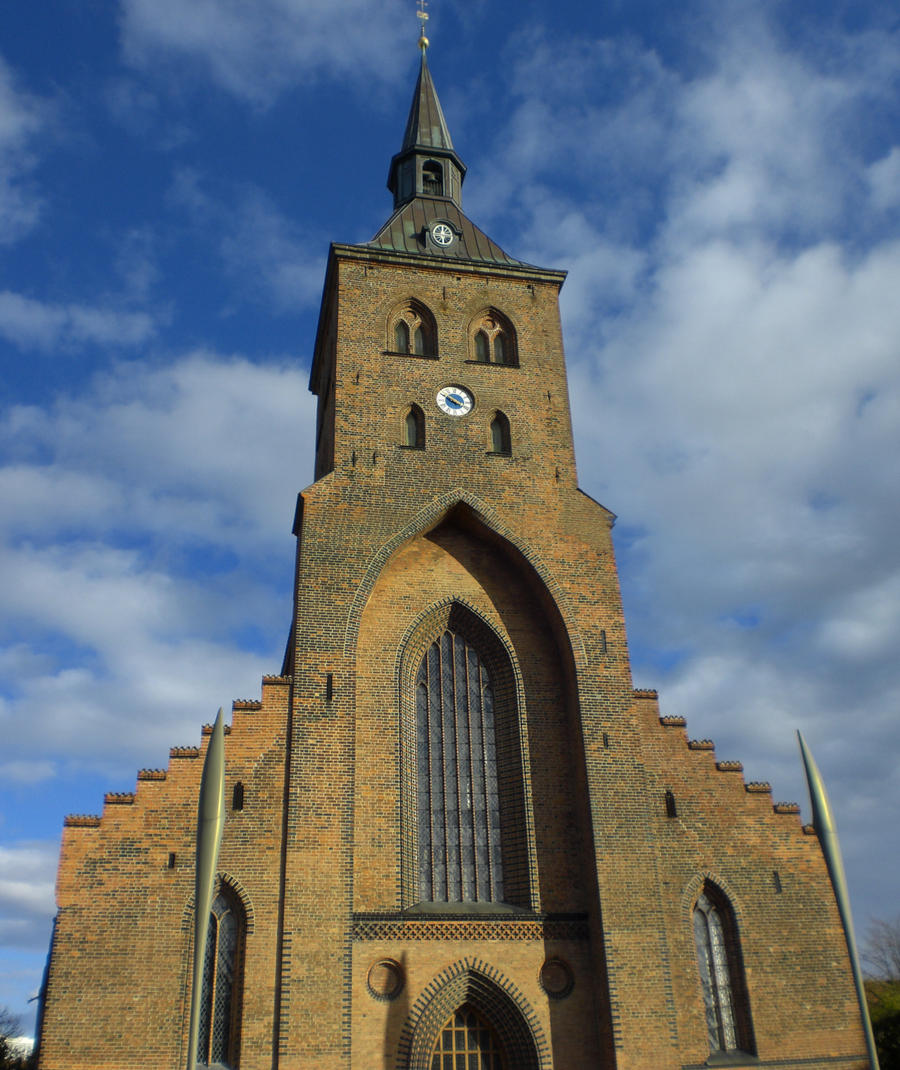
220, 1011
671, 808
721, 973
493, 339
500, 437
482, 347
413, 331
432, 179
414, 428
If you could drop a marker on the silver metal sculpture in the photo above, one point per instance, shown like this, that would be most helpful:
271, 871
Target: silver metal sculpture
823, 822
210, 823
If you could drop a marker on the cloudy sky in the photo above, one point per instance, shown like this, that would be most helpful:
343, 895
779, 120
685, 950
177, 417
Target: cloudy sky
721, 180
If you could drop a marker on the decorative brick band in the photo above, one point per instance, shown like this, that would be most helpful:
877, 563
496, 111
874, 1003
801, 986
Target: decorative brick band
81, 821
758, 787
184, 752
645, 692
701, 744
730, 767
786, 808
453, 927
673, 722
207, 729
809, 830
151, 774
119, 798
277, 680
246, 704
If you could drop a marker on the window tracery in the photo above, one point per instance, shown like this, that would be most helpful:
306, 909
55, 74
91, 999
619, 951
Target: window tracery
413, 331
493, 339
220, 1000
721, 973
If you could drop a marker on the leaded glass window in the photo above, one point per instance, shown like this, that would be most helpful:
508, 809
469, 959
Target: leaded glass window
458, 805
467, 1042
401, 336
217, 1045
720, 973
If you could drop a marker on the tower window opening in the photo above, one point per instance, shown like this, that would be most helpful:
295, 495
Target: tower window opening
500, 438
482, 348
237, 797
493, 339
414, 428
401, 336
432, 179
671, 808
414, 331
721, 973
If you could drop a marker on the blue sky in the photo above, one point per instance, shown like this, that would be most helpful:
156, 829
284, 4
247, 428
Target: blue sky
722, 182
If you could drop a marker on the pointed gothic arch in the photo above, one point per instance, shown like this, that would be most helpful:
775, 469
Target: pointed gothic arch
496, 1001
492, 339
412, 330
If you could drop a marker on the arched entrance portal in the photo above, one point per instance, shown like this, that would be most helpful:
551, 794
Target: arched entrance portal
468, 1041
470, 1016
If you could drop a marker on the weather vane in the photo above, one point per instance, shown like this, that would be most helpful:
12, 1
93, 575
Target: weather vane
422, 16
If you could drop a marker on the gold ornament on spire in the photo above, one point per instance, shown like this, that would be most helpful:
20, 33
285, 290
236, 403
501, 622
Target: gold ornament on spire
422, 16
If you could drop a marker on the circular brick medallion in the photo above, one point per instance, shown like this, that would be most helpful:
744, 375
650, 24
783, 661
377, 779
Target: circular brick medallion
385, 979
556, 978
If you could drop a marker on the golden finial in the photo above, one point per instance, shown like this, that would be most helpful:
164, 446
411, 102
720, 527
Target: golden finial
422, 16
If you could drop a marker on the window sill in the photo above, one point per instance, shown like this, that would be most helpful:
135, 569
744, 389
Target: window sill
414, 356
490, 364
402, 446
499, 453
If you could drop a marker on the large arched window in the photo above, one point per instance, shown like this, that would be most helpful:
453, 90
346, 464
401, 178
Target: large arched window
467, 1041
721, 973
458, 806
219, 1038
413, 331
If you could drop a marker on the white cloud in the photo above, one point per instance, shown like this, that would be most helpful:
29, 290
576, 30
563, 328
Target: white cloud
22, 117
256, 51
884, 176
145, 525
27, 877
32, 324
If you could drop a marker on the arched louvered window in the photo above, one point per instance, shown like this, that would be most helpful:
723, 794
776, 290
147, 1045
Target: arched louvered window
467, 1041
413, 331
493, 339
721, 973
432, 179
401, 336
414, 428
218, 1043
500, 437
458, 805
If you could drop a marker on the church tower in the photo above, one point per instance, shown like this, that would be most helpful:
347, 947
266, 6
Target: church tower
457, 836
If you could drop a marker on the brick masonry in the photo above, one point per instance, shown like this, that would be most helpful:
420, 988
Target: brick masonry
391, 539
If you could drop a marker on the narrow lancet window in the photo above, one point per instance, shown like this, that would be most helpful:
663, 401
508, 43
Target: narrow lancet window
482, 347
401, 336
499, 348
414, 428
721, 973
500, 437
219, 1010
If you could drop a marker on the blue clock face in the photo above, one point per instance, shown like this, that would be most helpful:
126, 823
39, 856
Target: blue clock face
454, 400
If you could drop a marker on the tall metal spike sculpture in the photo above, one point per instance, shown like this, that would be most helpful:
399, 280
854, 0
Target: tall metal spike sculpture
210, 823
826, 830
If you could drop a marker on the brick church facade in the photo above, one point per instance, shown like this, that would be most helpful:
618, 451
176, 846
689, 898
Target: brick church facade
456, 835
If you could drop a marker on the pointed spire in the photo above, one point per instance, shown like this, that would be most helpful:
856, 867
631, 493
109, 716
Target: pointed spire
427, 164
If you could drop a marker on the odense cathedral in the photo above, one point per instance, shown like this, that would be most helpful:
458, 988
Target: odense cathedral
457, 838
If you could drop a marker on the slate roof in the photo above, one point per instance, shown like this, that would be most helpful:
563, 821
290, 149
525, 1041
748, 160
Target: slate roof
406, 232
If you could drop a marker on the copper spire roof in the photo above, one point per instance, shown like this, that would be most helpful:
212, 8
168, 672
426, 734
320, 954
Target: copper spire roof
426, 126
